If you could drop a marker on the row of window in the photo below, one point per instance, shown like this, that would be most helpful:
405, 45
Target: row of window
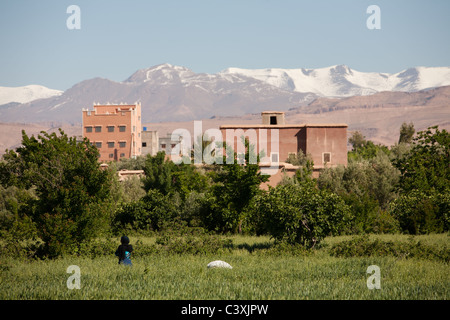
111, 155
163, 145
326, 156
122, 128
111, 144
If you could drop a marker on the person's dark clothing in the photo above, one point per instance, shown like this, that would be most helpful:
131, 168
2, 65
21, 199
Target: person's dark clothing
124, 251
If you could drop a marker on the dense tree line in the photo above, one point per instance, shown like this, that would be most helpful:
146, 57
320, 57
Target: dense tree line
52, 188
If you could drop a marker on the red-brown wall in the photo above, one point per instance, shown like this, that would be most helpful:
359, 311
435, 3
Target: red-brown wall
114, 116
313, 139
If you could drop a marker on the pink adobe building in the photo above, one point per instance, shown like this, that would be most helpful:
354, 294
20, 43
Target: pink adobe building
114, 129
326, 143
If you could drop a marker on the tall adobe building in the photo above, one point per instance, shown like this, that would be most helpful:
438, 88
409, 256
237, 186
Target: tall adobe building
325, 143
115, 129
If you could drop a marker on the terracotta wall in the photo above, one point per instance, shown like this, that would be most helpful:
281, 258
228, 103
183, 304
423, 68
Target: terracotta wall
126, 144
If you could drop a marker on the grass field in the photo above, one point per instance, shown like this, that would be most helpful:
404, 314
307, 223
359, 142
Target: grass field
255, 275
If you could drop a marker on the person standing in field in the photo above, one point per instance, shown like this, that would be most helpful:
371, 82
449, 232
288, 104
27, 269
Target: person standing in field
124, 251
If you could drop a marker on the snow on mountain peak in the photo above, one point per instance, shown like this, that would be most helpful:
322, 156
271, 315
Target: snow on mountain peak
26, 93
342, 81
332, 81
159, 72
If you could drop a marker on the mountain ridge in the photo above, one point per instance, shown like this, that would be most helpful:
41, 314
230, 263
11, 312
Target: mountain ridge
175, 93
342, 81
378, 116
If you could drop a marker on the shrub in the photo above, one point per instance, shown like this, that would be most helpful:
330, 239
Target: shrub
385, 222
20, 249
420, 212
147, 214
72, 191
177, 238
234, 186
300, 214
283, 248
425, 167
132, 216
97, 248
366, 185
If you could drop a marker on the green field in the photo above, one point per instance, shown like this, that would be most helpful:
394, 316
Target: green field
256, 275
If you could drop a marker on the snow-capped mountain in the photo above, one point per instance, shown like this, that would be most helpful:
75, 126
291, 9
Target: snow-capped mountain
166, 92
176, 93
341, 81
26, 94
161, 72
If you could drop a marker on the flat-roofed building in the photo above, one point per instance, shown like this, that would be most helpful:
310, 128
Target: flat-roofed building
115, 129
326, 143
150, 141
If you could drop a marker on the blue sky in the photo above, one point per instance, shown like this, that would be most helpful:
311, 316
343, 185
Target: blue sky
119, 37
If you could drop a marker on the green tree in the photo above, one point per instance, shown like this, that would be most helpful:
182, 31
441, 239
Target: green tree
364, 149
426, 166
72, 190
146, 214
357, 140
300, 214
15, 210
366, 185
137, 163
169, 178
399, 151
304, 173
158, 173
174, 188
420, 212
406, 133
300, 159
235, 183
423, 205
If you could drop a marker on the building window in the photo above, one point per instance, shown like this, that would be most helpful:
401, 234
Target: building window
144, 144
273, 119
98, 144
98, 129
326, 157
163, 145
122, 155
88, 129
122, 128
122, 144
274, 157
173, 145
110, 128
110, 144
111, 155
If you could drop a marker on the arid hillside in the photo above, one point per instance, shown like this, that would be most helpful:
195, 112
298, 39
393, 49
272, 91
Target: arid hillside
378, 117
